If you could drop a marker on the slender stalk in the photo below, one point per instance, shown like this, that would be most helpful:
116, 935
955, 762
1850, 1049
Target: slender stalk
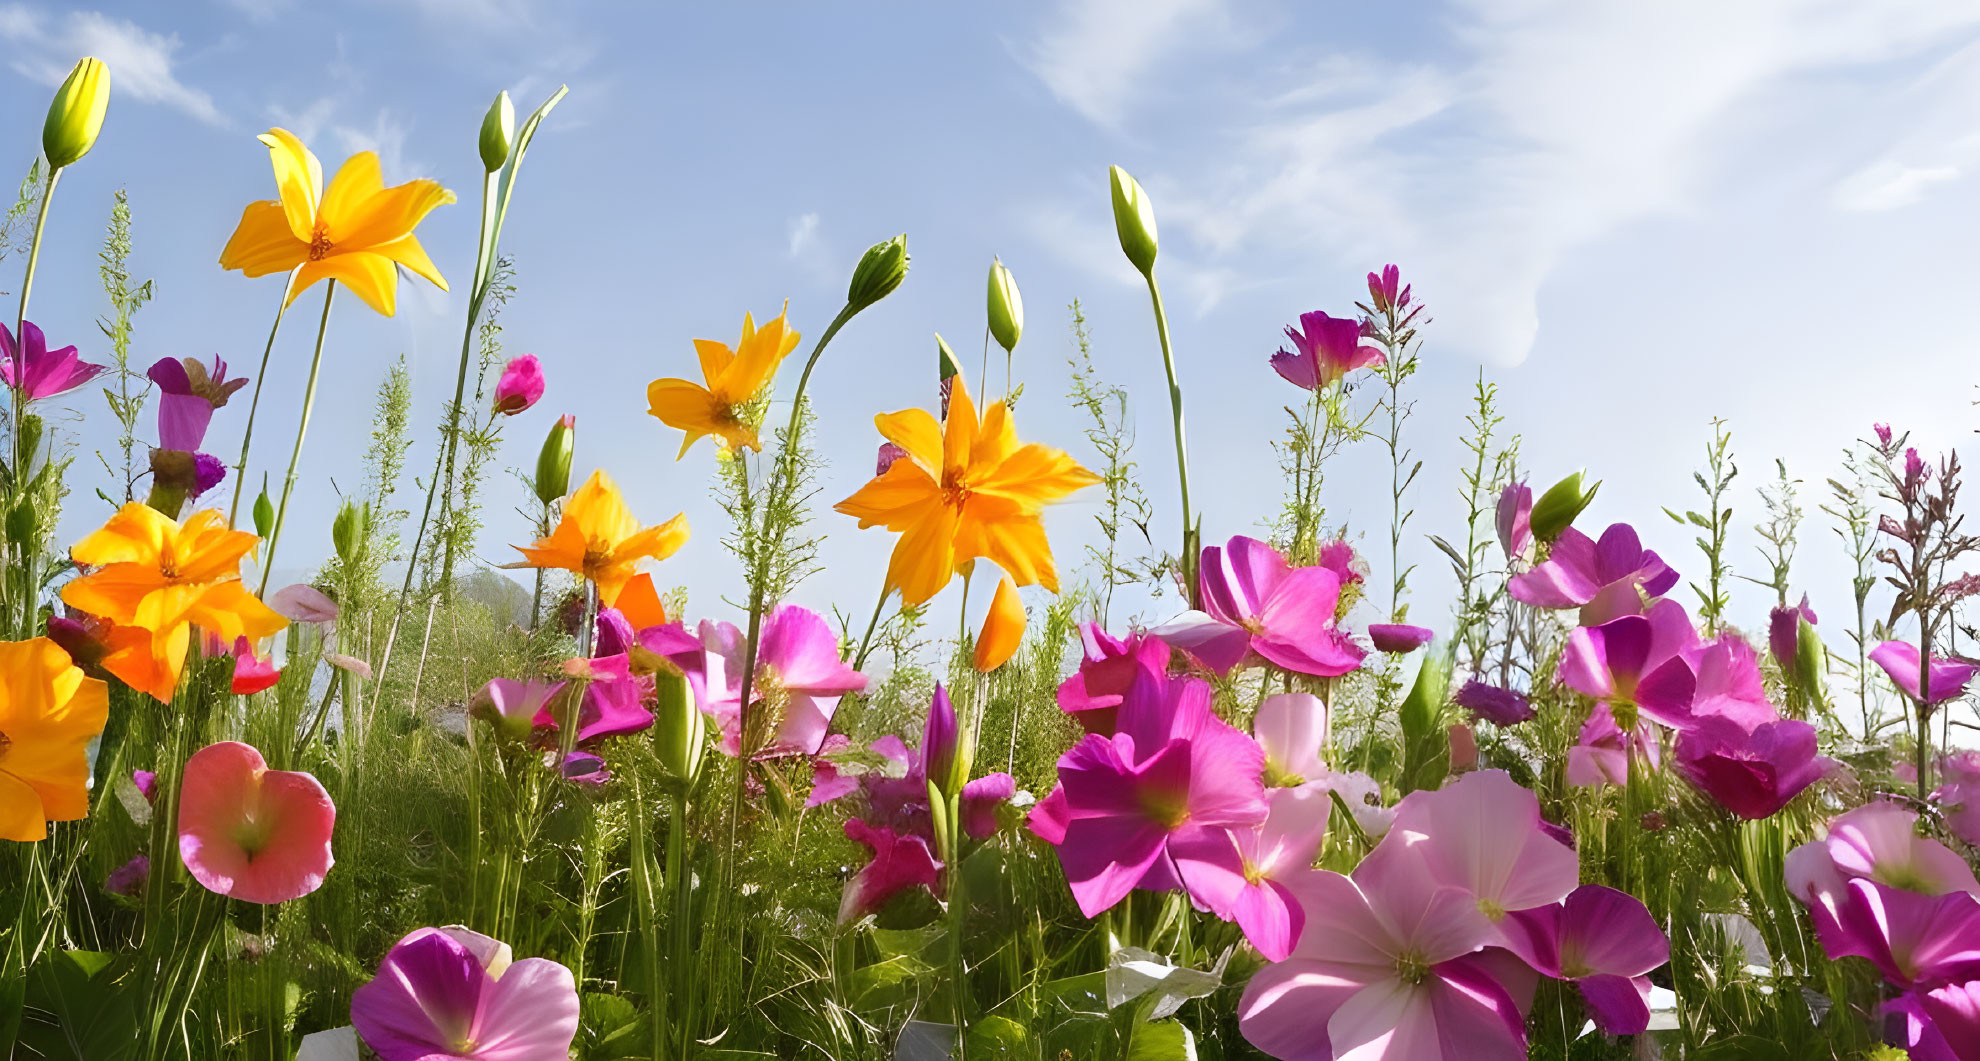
254, 404
1921, 751
1189, 556
866, 642
302, 429
30, 551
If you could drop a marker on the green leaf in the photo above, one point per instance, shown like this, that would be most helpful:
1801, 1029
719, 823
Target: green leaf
612, 1028
76, 1010
1166, 1041
1426, 747
998, 1037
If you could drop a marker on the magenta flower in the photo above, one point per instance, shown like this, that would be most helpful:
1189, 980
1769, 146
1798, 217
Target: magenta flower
1603, 578
1291, 729
521, 385
1718, 678
1380, 972
1604, 942
900, 863
1501, 707
1751, 772
1876, 841
1783, 628
1900, 660
147, 784
799, 677
1958, 794
1515, 521
1243, 874
1398, 638
452, 994
1387, 290
1601, 755
1173, 766
128, 879
1950, 1015
889, 453
1255, 605
1606, 662
1481, 833
895, 796
511, 707
38, 372
1328, 349
188, 392
613, 702
584, 768
1108, 666
251, 833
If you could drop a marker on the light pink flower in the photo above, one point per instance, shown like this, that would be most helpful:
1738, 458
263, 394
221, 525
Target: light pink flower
1244, 874
452, 994
251, 833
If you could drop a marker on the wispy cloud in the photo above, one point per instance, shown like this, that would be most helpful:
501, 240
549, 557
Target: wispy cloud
804, 235
141, 62
1096, 55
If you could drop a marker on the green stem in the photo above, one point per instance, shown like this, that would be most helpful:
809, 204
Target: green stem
302, 429
866, 642
30, 551
254, 404
1189, 555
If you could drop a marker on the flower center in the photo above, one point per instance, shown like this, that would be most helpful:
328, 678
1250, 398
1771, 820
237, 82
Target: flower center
1411, 968
955, 493
1491, 909
319, 248
1170, 809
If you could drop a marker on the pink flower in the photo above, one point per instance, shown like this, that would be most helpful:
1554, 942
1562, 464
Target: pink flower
1959, 794
798, 675
1783, 628
1481, 833
251, 833
452, 994
188, 392
521, 385
1515, 521
147, 784
1108, 666
899, 863
1606, 662
1380, 972
1328, 349
1605, 942
613, 704
1291, 729
1243, 874
1900, 660
1256, 606
1718, 678
1383, 290
895, 796
511, 707
1499, 706
1601, 755
1751, 771
1603, 578
1399, 638
1876, 841
128, 879
38, 372
252, 673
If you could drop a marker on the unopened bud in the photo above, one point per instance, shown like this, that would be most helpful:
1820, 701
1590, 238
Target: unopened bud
1134, 220
498, 131
1006, 306
553, 465
1810, 660
880, 270
75, 116
350, 530
264, 514
679, 728
1557, 508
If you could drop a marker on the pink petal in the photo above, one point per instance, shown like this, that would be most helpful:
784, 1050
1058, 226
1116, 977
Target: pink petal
1619, 1005
228, 793
304, 604
1609, 932
1291, 728
530, 1012
1286, 1006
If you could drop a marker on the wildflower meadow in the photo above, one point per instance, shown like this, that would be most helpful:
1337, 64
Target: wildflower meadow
1283, 805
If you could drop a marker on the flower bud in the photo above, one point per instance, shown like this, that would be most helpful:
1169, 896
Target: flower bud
1558, 507
1003, 628
1810, 659
880, 270
553, 465
1134, 220
350, 531
1006, 306
679, 728
75, 115
948, 369
498, 131
264, 514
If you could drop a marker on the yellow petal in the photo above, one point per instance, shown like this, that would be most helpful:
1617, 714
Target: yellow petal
408, 252
924, 559
715, 358
959, 433
135, 533
371, 277
917, 432
298, 181
1003, 628
902, 497
262, 243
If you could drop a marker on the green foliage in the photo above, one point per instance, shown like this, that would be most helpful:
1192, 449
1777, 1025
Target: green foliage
1123, 502
1715, 523
129, 387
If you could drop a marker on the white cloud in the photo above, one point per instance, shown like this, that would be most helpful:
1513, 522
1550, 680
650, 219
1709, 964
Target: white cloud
1094, 58
140, 61
804, 235
387, 136
1940, 144
259, 10
1888, 185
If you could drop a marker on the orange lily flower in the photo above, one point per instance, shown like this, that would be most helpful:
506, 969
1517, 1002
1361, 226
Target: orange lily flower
964, 489
164, 578
599, 539
49, 712
1003, 628
733, 379
357, 232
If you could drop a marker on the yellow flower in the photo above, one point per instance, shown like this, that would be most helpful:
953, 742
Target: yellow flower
358, 232
49, 712
964, 490
599, 538
733, 378
164, 578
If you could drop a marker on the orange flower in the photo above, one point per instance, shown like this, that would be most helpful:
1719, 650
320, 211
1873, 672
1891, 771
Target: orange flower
358, 232
49, 712
964, 490
165, 578
599, 538
1003, 628
640, 603
733, 378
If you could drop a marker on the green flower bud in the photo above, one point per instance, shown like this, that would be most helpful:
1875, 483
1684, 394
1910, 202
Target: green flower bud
498, 131
350, 531
1006, 306
75, 116
1558, 507
553, 465
264, 514
880, 270
1810, 660
947, 364
1134, 220
679, 728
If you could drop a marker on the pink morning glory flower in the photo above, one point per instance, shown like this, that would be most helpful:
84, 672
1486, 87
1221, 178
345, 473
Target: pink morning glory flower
1606, 579
1717, 678
1378, 972
1242, 874
1900, 660
1752, 772
1481, 833
1256, 605
251, 833
511, 707
37, 372
799, 675
1877, 841
1606, 662
1603, 941
1107, 666
900, 862
1328, 348
521, 385
1601, 754
1959, 794
452, 994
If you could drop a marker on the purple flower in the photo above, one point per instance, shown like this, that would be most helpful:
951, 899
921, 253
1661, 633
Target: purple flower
1783, 628
452, 994
1751, 772
1883, 433
584, 768
1383, 290
128, 879
38, 372
1108, 666
1398, 638
1501, 707
1959, 794
521, 385
1328, 349
1900, 660
188, 392
799, 675
1713, 678
208, 472
147, 784
1605, 942
1876, 841
899, 863
1606, 579
614, 699
1255, 605
1607, 662
1515, 521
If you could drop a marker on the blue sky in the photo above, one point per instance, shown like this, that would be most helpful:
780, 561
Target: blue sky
1636, 217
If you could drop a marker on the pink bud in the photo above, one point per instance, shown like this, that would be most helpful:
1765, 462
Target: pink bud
521, 385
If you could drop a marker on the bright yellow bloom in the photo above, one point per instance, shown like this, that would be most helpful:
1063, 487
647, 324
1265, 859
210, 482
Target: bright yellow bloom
49, 712
1003, 628
165, 578
733, 378
964, 490
358, 232
599, 538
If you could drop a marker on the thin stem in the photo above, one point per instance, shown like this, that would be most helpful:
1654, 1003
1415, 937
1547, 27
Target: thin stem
866, 642
1189, 557
30, 551
302, 429
254, 404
